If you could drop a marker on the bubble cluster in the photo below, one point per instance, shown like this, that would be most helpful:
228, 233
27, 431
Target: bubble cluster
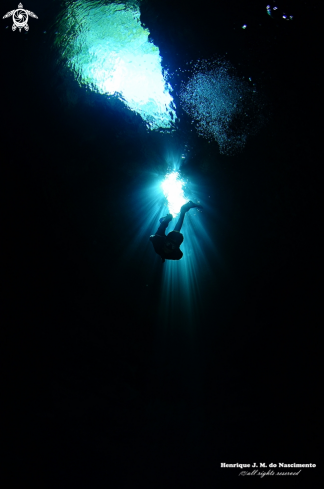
223, 106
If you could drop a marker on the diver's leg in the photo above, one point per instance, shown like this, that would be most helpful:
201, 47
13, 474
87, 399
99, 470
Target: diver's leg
185, 208
178, 226
162, 228
164, 224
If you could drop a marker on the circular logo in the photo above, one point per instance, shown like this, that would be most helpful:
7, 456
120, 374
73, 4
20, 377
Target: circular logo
20, 18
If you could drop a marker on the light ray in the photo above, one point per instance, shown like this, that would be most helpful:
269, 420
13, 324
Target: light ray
173, 190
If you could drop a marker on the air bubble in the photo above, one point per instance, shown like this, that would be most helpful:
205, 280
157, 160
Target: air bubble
224, 108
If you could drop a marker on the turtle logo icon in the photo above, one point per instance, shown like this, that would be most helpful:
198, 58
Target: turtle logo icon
20, 18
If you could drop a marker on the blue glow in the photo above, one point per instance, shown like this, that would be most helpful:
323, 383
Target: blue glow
108, 50
178, 284
172, 187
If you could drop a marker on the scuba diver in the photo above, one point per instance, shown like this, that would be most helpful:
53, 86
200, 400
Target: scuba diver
167, 246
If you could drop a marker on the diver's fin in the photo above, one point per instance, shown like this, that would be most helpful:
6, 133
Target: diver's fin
189, 205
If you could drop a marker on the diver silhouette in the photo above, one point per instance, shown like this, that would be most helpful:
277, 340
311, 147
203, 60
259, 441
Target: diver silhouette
168, 246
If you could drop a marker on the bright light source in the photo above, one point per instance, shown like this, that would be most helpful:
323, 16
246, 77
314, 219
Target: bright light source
172, 188
108, 50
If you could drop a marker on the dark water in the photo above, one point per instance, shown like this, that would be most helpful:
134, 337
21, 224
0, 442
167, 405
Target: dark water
118, 373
